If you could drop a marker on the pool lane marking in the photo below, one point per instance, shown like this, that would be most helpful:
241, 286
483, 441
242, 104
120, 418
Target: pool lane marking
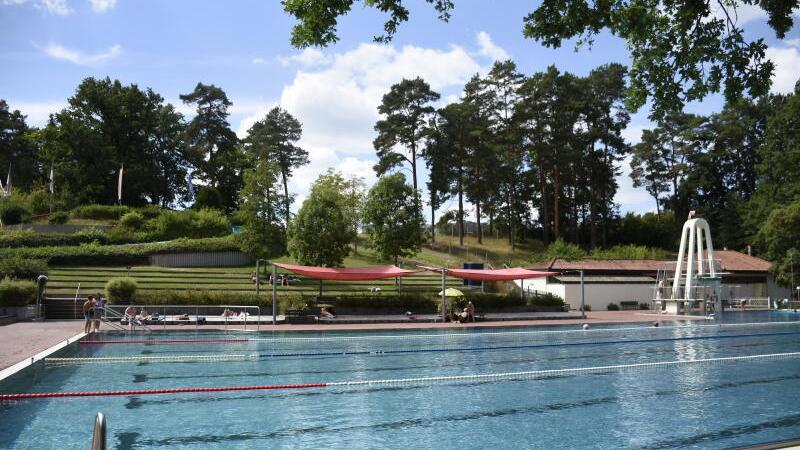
256, 356
435, 336
451, 378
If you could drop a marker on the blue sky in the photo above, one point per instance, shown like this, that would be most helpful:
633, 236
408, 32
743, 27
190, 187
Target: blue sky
48, 46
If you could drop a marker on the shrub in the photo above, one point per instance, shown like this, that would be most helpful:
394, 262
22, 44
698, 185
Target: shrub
17, 292
132, 220
94, 253
58, 218
100, 212
149, 211
121, 290
13, 213
208, 197
38, 201
192, 224
22, 268
612, 307
27, 238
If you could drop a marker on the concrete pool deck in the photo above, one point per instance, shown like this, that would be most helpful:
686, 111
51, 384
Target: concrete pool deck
22, 340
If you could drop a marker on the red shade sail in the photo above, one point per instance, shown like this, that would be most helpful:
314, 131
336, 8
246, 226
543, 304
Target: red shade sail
516, 273
348, 273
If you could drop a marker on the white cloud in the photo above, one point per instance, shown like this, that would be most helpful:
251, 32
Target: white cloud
792, 42
630, 198
259, 61
309, 57
489, 49
101, 6
37, 113
787, 68
56, 7
80, 58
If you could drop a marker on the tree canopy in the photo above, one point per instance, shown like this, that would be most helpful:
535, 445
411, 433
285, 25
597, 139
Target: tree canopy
393, 218
681, 50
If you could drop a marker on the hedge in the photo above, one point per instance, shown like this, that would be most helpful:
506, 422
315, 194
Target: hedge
17, 292
22, 268
128, 254
121, 290
201, 297
99, 212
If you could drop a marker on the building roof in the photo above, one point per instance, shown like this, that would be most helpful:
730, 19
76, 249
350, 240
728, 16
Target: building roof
729, 261
601, 279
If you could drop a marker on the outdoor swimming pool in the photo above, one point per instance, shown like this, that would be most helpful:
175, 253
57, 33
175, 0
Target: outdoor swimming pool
697, 404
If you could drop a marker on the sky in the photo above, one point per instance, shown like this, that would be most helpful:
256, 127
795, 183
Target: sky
48, 46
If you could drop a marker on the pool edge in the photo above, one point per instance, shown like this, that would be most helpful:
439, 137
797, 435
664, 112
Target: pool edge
27, 362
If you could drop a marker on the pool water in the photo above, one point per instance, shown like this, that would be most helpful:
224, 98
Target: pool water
709, 405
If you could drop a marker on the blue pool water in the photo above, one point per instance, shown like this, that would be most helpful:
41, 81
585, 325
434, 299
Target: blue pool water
709, 405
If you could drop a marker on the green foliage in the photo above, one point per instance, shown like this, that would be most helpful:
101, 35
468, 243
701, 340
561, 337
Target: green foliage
106, 125
22, 268
612, 307
407, 108
58, 218
651, 230
385, 304
96, 254
563, 250
38, 201
132, 220
12, 212
212, 146
261, 211
779, 241
100, 212
262, 238
121, 290
274, 138
208, 197
630, 251
321, 233
191, 224
393, 218
17, 148
17, 292
201, 297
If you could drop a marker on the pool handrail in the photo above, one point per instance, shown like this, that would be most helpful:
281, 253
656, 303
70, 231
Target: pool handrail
99, 434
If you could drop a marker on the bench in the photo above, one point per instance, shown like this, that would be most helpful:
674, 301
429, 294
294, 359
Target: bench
629, 305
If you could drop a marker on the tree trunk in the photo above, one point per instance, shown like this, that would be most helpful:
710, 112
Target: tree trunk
460, 211
556, 194
433, 223
478, 214
491, 222
544, 216
286, 197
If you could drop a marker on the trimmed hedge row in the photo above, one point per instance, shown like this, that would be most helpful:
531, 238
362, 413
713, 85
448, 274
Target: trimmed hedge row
17, 292
128, 254
99, 212
349, 304
22, 268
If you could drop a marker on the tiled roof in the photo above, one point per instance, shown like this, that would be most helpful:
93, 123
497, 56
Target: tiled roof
730, 261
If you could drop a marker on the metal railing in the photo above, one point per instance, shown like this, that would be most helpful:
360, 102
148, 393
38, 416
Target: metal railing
164, 315
99, 434
113, 318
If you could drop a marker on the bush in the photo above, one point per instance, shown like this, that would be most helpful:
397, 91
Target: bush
121, 290
100, 212
38, 201
58, 218
612, 307
22, 268
208, 197
149, 211
94, 253
12, 213
17, 292
132, 220
192, 224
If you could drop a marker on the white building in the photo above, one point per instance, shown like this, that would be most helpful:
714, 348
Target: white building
617, 281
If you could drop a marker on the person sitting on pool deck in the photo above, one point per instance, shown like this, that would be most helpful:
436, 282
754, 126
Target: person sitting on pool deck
323, 312
129, 314
88, 313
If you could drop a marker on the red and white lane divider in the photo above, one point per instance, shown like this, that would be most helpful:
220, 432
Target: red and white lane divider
423, 380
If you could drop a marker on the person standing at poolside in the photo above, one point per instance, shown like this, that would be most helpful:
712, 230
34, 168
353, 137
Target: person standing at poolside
88, 313
99, 307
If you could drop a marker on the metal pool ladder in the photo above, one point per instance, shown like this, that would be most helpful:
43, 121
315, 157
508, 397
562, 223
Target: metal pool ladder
99, 435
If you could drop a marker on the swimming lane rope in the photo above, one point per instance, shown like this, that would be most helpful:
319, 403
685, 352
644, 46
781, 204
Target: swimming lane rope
255, 356
432, 336
504, 376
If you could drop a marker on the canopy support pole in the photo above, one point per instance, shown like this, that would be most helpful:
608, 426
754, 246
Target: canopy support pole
583, 298
258, 279
320, 288
274, 294
444, 295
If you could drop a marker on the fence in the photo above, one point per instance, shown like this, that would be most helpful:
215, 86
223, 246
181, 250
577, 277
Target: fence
202, 259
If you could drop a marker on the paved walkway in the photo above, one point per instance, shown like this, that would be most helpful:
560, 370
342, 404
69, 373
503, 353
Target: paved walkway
20, 341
